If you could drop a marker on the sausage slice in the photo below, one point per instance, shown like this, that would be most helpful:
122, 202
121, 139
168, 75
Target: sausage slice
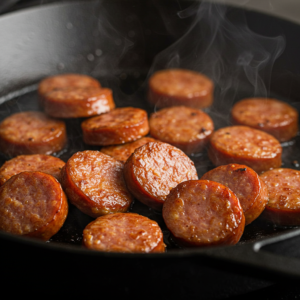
283, 207
203, 213
31, 132
124, 232
176, 87
122, 125
36, 162
123, 152
186, 128
94, 183
246, 185
32, 204
247, 146
78, 102
270, 115
154, 169
62, 81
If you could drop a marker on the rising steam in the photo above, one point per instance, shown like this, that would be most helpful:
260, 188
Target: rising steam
232, 55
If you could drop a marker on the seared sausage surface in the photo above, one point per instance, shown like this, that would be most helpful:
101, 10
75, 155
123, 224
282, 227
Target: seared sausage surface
78, 102
154, 169
123, 152
36, 162
283, 207
94, 183
203, 213
244, 145
174, 87
186, 128
32, 204
270, 115
31, 132
122, 125
62, 81
246, 185
124, 232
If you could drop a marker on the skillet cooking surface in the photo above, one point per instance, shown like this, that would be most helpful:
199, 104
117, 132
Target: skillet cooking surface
71, 232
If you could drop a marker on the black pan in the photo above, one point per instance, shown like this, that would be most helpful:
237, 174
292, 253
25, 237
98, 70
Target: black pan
122, 43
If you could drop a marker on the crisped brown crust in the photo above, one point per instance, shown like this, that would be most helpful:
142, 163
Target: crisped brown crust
124, 232
78, 102
66, 81
180, 87
246, 185
270, 115
36, 162
94, 183
203, 213
283, 207
31, 132
122, 125
32, 204
154, 169
123, 152
186, 128
247, 146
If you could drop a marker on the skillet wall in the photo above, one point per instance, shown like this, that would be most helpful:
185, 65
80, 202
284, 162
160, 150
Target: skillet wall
68, 38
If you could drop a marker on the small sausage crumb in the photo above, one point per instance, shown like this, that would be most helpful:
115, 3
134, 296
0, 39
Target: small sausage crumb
241, 169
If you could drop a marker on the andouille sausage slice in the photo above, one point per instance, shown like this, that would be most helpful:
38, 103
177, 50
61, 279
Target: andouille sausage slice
31, 132
247, 146
186, 128
270, 115
283, 207
124, 232
154, 169
69, 80
203, 213
94, 183
246, 185
78, 102
32, 204
174, 87
123, 152
122, 125
35, 162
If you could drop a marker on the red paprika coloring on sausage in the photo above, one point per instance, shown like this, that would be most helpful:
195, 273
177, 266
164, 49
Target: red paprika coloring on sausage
201, 213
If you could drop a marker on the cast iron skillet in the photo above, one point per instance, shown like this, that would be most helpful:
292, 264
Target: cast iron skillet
121, 43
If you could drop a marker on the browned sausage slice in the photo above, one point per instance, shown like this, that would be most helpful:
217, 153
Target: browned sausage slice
270, 115
186, 128
94, 183
31, 132
63, 81
246, 185
119, 126
36, 162
283, 207
203, 213
180, 87
154, 169
32, 204
124, 232
247, 146
78, 102
122, 152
